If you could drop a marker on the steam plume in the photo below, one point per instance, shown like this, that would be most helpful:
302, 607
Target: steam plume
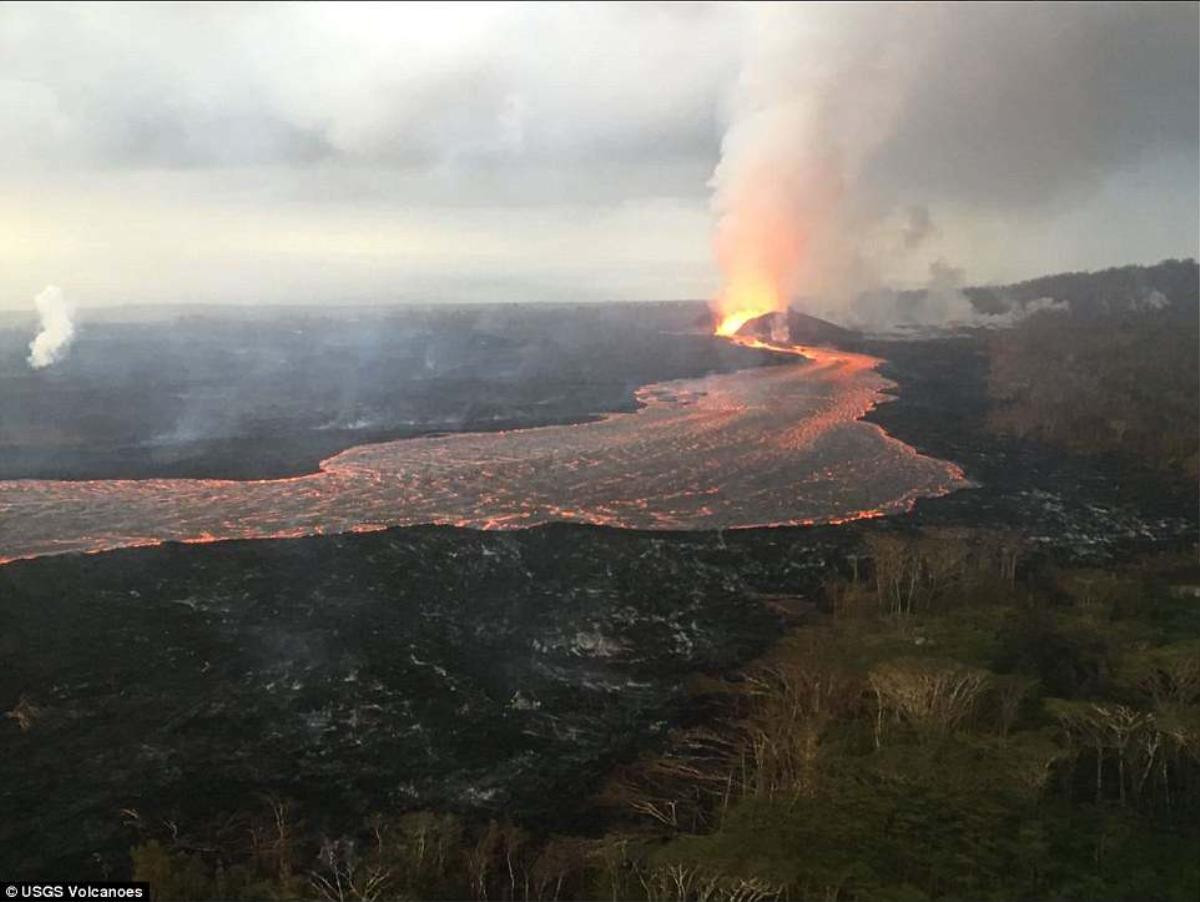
861, 136
57, 330
816, 96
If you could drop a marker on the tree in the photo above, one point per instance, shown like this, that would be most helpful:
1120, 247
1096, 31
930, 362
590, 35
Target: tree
925, 692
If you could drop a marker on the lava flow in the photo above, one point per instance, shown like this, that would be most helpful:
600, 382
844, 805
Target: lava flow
776, 445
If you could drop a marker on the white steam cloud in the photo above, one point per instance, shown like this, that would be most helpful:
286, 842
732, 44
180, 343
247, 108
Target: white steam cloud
57, 328
856, 131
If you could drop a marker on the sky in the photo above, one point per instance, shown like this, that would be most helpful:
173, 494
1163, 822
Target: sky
309, 153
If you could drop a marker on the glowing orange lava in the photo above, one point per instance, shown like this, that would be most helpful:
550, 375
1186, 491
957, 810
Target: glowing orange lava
732, 322
746, 298
777, 445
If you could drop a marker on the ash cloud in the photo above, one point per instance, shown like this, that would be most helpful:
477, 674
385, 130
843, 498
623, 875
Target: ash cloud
57, 328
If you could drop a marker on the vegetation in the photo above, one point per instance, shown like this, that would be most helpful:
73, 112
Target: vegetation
1125, 384
1172, 284
958, 720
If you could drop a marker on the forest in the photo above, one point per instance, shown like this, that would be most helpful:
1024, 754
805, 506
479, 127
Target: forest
1124, 384
1170, 284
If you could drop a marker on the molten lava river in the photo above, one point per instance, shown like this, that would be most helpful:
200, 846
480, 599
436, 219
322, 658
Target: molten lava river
776, 445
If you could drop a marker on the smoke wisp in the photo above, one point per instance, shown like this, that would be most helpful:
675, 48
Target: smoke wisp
57, 328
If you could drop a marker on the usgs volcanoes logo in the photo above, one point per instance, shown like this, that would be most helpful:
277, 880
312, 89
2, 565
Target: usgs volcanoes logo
75, 890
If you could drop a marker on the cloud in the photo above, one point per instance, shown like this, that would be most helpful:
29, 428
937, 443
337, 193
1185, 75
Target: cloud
398, 84
1007, 140
979, 97
1021, 107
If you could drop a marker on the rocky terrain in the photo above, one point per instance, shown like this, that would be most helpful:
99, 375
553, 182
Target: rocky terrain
237, 393
418, 667
1084, 509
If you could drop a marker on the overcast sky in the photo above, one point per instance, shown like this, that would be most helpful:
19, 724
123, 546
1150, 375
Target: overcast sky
274, 153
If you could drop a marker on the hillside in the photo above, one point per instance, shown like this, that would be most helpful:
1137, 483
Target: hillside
1171, 285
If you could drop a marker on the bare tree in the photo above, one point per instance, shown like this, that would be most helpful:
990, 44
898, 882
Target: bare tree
346, 876
1010, 691
1113, 728
1170, 675
896, 577
480, 859
557, 861
925, 692
693, 883
678, 787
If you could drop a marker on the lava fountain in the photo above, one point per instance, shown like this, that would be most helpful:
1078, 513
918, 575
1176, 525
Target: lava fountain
745, 299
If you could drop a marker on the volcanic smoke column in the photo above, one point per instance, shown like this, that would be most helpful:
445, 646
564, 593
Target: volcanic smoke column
762, 217
818, 90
